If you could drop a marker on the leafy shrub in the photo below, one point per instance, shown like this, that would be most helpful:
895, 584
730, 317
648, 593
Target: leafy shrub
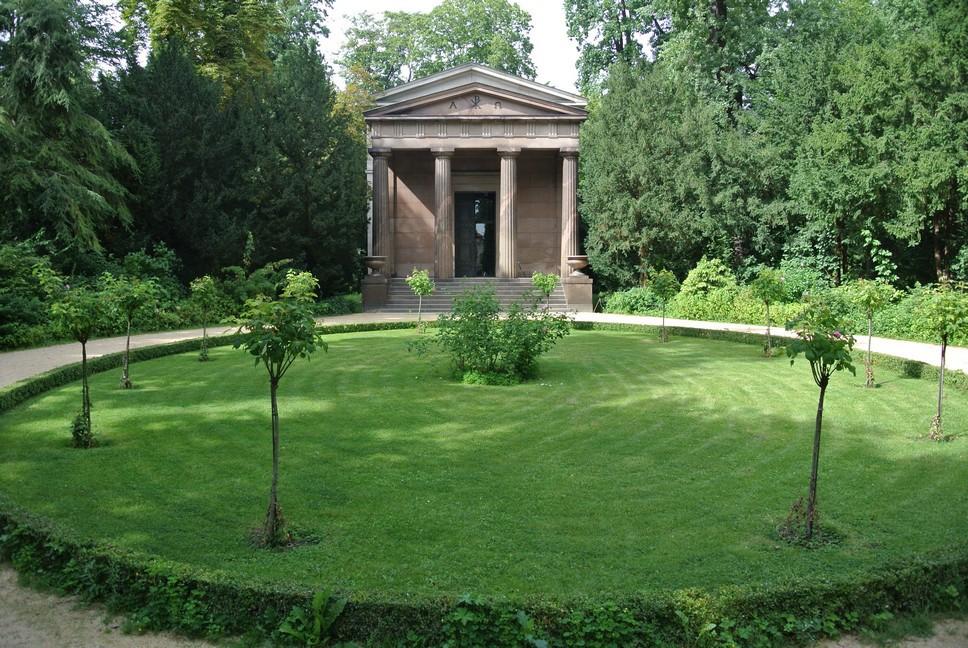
800, 277
634, 301
81, 434
339, 305
708, 275
23, 301
487, 349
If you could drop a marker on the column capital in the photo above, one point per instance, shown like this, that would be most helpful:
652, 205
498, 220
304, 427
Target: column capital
568, 152
443, 151
380, 152
509, 151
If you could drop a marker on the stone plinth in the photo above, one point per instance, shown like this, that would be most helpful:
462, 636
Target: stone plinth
375, 287
578, 292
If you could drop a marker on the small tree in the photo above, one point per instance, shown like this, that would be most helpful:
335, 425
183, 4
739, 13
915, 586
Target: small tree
545, 284
870, 296
128, 296
946, 313
664, 286
277, 332
78, 312
422, 286
205, 299
768, 288
821, 340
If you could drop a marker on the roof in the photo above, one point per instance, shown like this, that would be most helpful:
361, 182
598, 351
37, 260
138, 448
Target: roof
475, 74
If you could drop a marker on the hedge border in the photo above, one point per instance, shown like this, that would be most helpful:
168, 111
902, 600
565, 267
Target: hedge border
905, 367
161, 594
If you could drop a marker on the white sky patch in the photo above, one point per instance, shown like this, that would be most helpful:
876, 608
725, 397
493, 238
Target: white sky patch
555, 55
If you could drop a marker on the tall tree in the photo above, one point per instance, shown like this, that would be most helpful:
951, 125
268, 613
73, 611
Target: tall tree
277, 332
608, 31
59, 163
195, 154
227, 39
384, 51
309, 193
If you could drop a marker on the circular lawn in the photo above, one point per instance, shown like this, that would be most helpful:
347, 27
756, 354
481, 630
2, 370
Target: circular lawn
626, 466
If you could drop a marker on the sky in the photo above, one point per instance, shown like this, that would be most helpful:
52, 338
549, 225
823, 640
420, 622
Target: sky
554, 55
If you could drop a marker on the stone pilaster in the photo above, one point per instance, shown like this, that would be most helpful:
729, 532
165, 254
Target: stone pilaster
382, 243
443, 214
507, 262
569, 207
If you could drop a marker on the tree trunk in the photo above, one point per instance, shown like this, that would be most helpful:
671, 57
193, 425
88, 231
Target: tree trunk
815, 465
936, 424
203, 351
939, 239
769, 336
85, 388
125, 378
665, 336
841, 254
274, 531
419, 307
870, 361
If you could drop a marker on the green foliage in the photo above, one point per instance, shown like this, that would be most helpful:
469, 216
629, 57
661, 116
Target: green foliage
204, 299
399, 46
826, 131
61, 165
664, 285
420, 283
23, 300
945, 311
708, 275
769, 286
870, 296
635, 301
606, 34
487, 349
229, 40
277, 332
128, 296
77, 312
823, 341
81, 434
544, 283
311, 625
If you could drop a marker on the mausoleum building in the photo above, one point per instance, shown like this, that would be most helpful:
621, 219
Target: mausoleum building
474, 175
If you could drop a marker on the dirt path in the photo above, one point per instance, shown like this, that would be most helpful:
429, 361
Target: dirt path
32, 619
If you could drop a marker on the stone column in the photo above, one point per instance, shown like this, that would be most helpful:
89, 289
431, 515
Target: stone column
381, 205
375, 285
507, 260
443, 214
569, 207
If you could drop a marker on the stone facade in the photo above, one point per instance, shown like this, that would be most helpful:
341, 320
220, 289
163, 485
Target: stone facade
474, 173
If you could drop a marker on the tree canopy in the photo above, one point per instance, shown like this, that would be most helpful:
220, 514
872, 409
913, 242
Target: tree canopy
830, 132
399, 46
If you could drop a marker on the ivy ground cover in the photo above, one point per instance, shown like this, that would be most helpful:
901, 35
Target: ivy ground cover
627, 466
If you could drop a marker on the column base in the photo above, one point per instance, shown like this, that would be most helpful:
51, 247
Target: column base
375, 289
578, 292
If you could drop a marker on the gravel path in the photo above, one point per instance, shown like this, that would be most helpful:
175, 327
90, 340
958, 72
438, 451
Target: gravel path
32, 619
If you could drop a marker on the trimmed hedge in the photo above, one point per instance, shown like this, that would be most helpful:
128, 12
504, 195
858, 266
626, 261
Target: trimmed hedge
905, 367
157, 594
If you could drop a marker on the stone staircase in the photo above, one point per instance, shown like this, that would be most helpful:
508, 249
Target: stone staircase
400, 299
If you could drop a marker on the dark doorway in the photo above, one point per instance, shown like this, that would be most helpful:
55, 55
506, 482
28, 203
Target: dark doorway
474, 239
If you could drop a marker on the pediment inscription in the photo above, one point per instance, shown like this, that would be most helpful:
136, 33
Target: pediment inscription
475, 104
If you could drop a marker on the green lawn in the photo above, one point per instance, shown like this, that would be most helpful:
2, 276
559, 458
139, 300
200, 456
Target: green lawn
628, 465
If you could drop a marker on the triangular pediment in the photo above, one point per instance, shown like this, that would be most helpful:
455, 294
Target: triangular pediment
475, 100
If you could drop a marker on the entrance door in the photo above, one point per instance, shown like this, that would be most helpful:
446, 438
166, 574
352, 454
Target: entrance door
474, 234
